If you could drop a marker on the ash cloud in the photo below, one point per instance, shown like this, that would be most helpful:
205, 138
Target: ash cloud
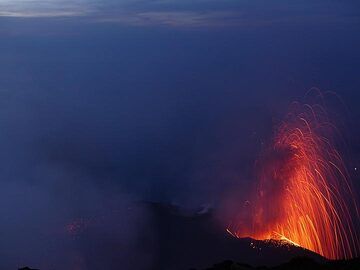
73, 170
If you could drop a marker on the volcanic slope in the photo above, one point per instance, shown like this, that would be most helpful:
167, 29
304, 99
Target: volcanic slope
185, 241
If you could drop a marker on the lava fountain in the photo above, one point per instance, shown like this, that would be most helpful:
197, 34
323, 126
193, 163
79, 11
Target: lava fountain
304, 194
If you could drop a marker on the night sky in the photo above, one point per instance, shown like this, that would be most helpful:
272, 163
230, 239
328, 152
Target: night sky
104, 102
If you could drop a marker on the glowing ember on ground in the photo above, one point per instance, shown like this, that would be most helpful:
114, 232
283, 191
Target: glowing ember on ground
304, 195
77, 226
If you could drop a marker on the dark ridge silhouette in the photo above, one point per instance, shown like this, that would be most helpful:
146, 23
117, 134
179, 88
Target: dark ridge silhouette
185, 241
27, 268
297, 263
180, 240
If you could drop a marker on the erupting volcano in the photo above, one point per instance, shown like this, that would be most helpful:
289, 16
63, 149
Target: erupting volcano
304, 194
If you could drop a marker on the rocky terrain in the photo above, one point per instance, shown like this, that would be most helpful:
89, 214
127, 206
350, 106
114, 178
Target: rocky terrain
179, 240
298, 263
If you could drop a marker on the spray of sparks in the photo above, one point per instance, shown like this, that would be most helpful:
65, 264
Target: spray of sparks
304, 195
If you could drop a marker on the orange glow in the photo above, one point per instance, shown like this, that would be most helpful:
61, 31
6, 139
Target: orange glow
304, 195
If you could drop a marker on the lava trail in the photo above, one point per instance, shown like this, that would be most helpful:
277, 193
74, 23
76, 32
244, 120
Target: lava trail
304, 194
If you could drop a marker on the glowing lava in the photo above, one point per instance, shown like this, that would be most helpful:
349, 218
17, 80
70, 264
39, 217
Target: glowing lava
304, 195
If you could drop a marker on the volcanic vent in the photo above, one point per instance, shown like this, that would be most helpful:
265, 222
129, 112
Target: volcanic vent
304, 194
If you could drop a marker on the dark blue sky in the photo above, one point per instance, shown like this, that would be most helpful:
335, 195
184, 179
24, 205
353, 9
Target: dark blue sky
158, 100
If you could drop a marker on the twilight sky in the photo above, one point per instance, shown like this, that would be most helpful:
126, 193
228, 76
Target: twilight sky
107, 102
